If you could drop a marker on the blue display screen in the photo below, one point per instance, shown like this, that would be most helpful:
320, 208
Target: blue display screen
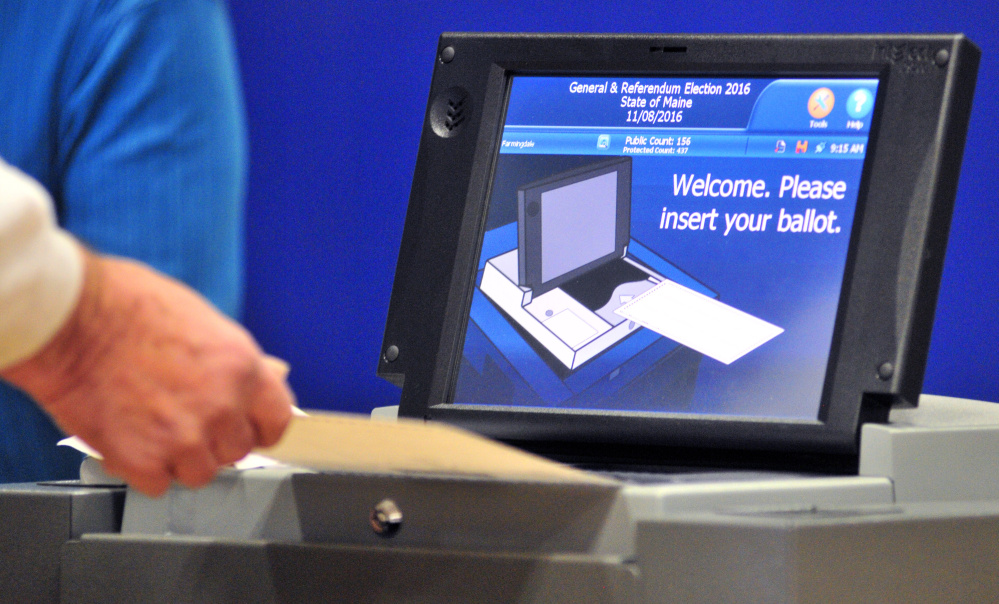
737, 199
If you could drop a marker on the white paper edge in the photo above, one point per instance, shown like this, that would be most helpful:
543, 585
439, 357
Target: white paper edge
251, 461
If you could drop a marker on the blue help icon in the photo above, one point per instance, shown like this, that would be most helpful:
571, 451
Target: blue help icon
860, 103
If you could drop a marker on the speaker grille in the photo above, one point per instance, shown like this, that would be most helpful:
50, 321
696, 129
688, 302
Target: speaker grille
667, 49
450, 111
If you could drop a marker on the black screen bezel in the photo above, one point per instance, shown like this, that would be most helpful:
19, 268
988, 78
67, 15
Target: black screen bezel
872, 364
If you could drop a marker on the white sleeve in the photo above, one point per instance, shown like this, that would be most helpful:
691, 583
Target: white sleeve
41, 268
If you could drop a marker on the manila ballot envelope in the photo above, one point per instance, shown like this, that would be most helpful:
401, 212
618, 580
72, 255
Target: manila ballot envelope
341, 442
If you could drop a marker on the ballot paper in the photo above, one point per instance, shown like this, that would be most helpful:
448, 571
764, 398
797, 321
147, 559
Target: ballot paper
353, 443
338, 442
699, 322
252, 460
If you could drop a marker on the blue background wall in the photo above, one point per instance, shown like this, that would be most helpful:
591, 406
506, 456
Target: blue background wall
336, 93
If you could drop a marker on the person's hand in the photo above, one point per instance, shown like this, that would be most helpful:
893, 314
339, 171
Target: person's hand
150, 375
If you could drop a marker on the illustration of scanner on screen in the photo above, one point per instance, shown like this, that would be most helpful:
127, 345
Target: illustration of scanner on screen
578, 284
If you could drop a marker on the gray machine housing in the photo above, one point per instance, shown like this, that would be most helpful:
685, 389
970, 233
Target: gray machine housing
926, 501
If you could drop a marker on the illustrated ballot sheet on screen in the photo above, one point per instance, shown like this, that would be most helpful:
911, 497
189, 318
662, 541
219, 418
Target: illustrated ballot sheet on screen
673, 244
698, 321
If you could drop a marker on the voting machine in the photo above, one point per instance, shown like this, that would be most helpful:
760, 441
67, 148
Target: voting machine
694, 274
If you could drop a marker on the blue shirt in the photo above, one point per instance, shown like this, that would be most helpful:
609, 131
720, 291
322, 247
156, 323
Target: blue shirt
130, 113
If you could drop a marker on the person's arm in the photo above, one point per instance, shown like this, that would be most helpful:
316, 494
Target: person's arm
152, 142
143, 369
